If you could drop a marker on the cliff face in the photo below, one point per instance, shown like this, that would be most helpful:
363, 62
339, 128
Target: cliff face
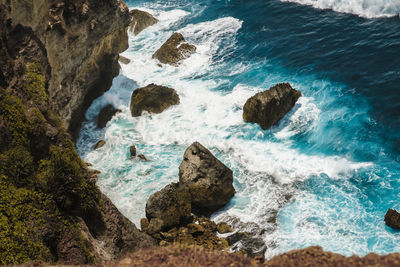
82, 39
50, 207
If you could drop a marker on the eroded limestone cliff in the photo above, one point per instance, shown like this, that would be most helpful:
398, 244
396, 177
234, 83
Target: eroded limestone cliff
82, 39
54, 57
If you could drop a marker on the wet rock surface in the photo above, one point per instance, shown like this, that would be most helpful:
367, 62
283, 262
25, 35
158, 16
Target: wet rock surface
209, 181
100, 144
268, 107
152, 98
106, 115
140, 20
174, 50
392, 219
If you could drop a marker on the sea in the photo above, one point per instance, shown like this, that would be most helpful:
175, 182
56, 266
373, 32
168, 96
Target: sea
325, 174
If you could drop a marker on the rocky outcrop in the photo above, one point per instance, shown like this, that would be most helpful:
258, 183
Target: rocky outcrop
106, 115
392, 219
209, 181
174, 50
50, 208
171, 206
82, 40
268, 107
169, 216
152, 98
140, 20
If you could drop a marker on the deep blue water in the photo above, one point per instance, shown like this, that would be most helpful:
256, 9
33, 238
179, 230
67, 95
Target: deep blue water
337, 153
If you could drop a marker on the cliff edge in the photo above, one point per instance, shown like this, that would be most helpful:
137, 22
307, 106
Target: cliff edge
82, 39
53, 56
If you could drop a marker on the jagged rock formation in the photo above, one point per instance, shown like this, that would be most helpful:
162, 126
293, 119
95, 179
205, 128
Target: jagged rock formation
50, 207
140, 20
392, 219
170, 206
169, 211
209, 181
106, 115
82, 39
174, 50
268, 107
152, 98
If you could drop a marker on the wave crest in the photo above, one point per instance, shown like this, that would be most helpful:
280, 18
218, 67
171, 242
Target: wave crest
363, 8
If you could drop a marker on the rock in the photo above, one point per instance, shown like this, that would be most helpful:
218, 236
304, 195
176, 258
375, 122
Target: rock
224, 228
144, 224
268, 107
106, 115
155, 226
253, 246
100, 144
174, 50
142, 157
392, 219
195, 229
132, 152
208, 179
171, 206
207, 224
124, 60
140, 20
152, 98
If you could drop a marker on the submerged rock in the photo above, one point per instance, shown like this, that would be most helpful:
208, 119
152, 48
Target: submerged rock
143, 157
170, 206
208, 179
106, 115
268, 107
174, 50
152, 98
392, 219
124, 60
140, 20
132, 152
100, 144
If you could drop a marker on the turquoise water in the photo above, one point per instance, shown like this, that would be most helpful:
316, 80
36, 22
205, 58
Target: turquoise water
329, 169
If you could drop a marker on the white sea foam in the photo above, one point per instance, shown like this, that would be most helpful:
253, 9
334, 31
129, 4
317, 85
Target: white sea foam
363, 8
265, 163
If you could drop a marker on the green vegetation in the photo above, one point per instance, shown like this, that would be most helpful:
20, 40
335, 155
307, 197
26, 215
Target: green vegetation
42, 178
34, 83
22, 215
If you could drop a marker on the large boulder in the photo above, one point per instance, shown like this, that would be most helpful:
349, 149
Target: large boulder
392, 219
169, 207
140, 20
106, 115
174, 50
152, 98
208, 179
268, 107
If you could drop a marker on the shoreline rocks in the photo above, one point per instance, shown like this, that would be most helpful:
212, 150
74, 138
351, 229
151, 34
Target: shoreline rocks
169, 216
174, 50
140, 20
209, 181
152, 98
268, 107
